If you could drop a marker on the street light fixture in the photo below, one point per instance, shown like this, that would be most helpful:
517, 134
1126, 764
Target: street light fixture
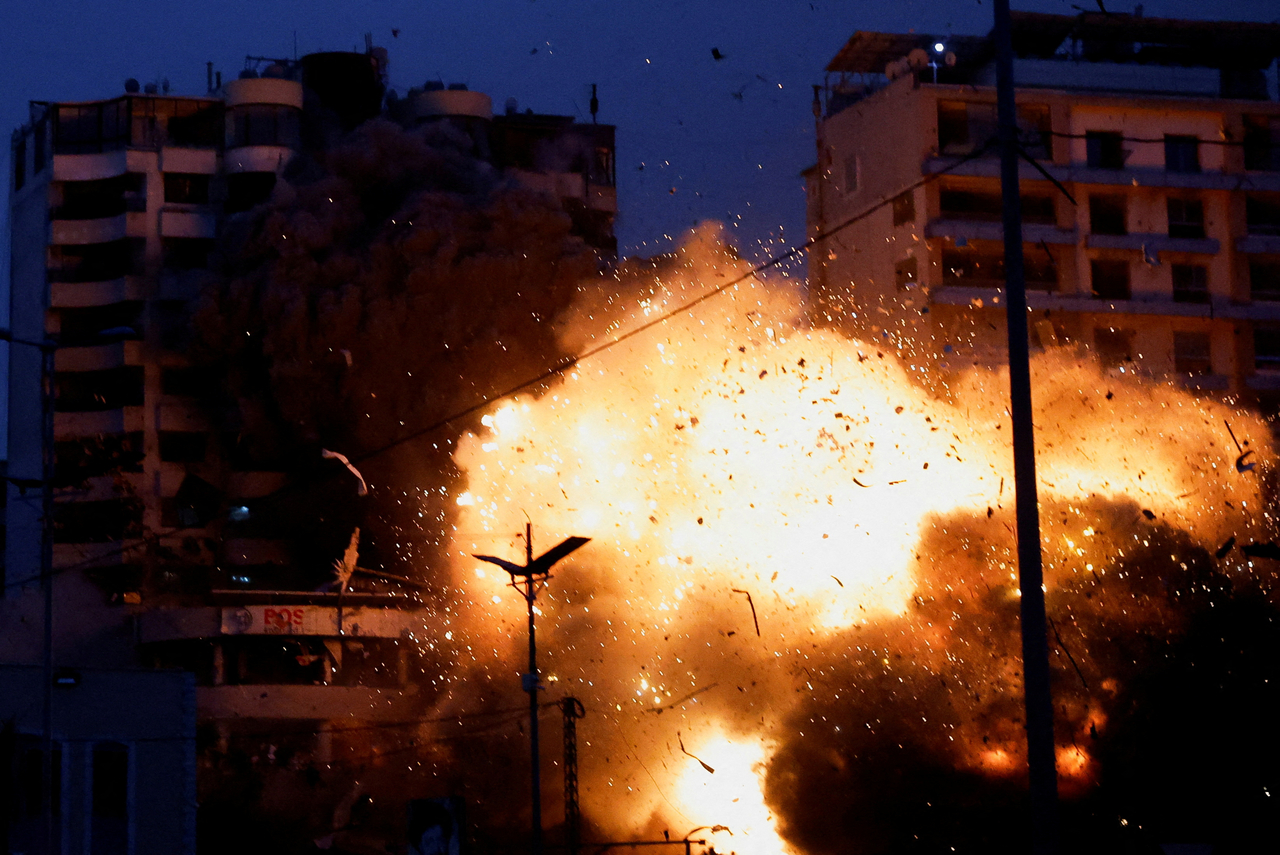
527, 578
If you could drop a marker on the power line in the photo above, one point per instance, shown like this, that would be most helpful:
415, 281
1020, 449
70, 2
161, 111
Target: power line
569, 362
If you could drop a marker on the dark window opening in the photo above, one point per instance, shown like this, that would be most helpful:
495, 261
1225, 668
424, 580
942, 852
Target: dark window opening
173, 320
1186, 218
94, 391
965, 127
40, 148
1190, 283
186, 253
1181, 153
1108, 215
186, 188
370, 662
1110, 279
1266, 348
29, 792
988, 207
1104, 149
90, 128
195, 124
1264, 279
263, 124
78, 460
109, 833
1262, 215
89, 200
904, 208
1035, 133
135, 191
1262, 143
183, 446
187, 382
92, 325
905, 273
91, 262
247, 189
197, 501
1114, 347
100, 521
1191, 354
965, 266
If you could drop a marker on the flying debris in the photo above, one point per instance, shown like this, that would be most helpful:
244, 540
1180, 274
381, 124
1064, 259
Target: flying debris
541, 565
716, 54
363, 490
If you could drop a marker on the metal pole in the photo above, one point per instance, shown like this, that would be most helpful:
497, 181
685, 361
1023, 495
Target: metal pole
531, 685
573, 710
1035, 646
46, 579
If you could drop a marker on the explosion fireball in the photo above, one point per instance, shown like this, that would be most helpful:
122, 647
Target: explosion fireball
802, 581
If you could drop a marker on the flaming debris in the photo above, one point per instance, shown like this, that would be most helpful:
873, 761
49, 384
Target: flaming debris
879, 694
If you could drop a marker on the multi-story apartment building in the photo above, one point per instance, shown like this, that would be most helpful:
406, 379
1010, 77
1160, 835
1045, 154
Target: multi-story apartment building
1150, 194
164, 551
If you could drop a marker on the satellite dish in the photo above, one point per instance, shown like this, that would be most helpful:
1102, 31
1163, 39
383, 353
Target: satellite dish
918, 59
132, 86
950, 59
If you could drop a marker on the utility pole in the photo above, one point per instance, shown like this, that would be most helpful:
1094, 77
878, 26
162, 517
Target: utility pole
1035, 645
527, 579
573, 710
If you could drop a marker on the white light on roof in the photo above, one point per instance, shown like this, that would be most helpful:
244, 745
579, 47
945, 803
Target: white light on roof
939, 47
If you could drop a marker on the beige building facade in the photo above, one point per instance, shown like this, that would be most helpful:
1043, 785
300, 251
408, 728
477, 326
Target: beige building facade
1150, 190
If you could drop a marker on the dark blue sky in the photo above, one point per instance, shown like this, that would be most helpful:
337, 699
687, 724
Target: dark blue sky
736, 159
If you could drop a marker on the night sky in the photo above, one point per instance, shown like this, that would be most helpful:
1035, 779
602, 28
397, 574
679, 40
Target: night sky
698, 138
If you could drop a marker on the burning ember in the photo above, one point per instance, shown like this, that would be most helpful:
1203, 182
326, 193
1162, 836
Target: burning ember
797, 619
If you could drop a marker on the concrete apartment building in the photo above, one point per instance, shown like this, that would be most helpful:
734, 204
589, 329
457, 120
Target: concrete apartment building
1165, 133
115, 206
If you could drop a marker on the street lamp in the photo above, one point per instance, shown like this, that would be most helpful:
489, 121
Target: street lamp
527, 578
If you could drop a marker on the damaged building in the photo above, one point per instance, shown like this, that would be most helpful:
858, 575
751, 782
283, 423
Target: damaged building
172, 546
1150, 184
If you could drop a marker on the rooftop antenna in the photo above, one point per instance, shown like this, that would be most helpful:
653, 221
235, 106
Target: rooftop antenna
527, 579
595, 104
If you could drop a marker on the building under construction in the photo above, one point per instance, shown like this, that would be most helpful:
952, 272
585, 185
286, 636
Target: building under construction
1150, 194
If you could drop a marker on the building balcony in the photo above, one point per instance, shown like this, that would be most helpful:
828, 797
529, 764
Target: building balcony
994, 231
188, 223
317, 621
954, 295
89, 167
123, 420
1154, 243
1258, 244
324, 703
257, 551
1079, 173
257, 158
75, 232
78, 295
98, 357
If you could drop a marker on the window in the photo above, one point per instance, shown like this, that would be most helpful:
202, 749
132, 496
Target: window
183, 446
1035, 132
1110, 279
1104, 149
989, 207
964, 128
1114, 347
77, 460
1262, 215
904, 208
1108, 215
1191, 353
89, 200
1266, 348
95, 391
851, 174
1181, 153
1186, 218
135, 191
263, 124
1262, 143
109, 833
246, 189
965, 266
39, 151
186, 253
185, 188
90, 325
90, 262
90, 128
186, 382
1264, 279
904, 273
96, 522
1190, 283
